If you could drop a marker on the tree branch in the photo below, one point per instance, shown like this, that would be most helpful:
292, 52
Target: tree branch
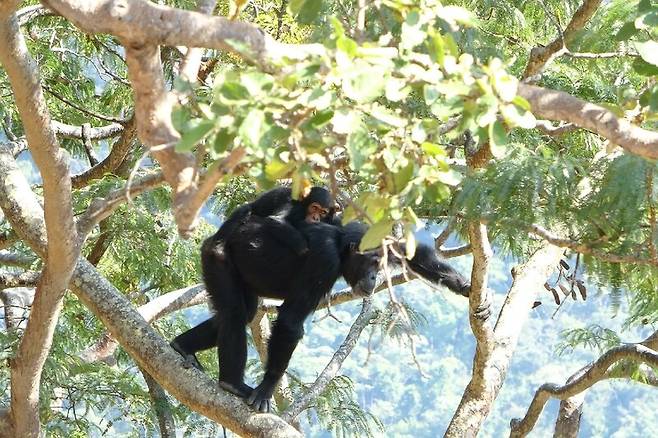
149, 350
100, 208
488, 376
560, 106
8, 280
15, 259
62, 249
591, 375
96, 133
541, 55
334, 365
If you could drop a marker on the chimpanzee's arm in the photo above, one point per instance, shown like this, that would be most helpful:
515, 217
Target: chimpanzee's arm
286, 234
426, 264
272, 202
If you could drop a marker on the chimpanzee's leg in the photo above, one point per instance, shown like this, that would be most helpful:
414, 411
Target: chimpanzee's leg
286, 333
199, 338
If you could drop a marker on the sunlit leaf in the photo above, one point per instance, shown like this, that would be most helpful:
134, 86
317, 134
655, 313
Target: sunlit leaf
190, 138
375, 234
648, 50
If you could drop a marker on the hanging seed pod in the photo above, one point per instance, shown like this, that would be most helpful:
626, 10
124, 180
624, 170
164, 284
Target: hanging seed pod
536, 304
582, 289
564, 264
547, 286
564, 290
573, 295
556, 296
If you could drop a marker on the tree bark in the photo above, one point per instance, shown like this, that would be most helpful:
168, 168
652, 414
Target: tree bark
493, 353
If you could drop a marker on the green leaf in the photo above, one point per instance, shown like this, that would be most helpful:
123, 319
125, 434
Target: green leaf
402, 177
345, 121
360, 147
253, 128
514, 117
648, 50
277, 169
506, 86
626, 31
436, 47
521, 103
347, 46
647, 21
256, 83
364, 84
320, 119
387, 116
456, 14
305, 11
430, 94
375, 234
412, 34
433, 149
234, 92
223, 139
643, 68
497, 139
195, 135
450, 177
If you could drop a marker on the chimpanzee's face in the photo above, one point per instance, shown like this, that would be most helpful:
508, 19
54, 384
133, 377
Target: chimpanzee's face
360, 270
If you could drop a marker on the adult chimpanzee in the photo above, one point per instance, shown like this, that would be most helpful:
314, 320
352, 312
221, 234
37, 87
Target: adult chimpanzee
284, 215
257, 265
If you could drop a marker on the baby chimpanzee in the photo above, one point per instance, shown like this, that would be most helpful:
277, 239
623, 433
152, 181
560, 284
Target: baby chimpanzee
284, 215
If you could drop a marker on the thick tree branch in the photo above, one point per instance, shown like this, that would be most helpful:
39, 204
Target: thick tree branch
63, 247
8, 280
15, 259
541, 55
139, 22
149, 350
591, 375
155, 309
473, 399
560, 106
489, 376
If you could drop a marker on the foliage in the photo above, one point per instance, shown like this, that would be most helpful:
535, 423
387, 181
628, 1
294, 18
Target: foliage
388, 114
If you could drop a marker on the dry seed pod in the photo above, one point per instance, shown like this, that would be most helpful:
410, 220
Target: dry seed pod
536, 304
556, 296
547, 286
564, 290
564, 264
582, 289
573, 295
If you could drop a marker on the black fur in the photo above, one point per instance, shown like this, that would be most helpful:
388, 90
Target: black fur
284, 216
256, 264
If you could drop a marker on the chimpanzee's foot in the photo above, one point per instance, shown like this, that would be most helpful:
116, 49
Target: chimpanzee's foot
261, 397
240, 389
190, 358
